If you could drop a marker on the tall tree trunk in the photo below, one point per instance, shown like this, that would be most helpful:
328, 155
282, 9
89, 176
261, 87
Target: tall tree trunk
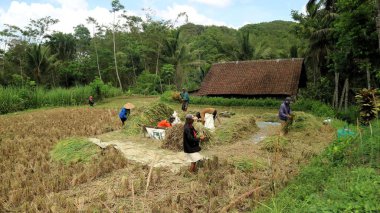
134, 72
346, 98
368, 78
97, 60
96, 51
157, 66
344, 95
336, 91
114, 52
378, 21
179, 75
22, 78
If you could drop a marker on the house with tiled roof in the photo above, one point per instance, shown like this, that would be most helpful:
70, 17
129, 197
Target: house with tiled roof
260, 78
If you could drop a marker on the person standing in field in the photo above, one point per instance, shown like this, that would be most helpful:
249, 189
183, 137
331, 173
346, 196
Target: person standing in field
91, 101
284, 114
191, 143
125, 112
185, 99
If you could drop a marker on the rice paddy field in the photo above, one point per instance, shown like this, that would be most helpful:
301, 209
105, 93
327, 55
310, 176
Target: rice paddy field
41, 173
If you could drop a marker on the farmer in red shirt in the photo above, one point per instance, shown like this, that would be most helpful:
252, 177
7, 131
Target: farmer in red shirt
166, 123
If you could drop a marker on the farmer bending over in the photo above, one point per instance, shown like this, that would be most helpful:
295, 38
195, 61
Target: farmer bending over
166, 123
285, 115
125, 111
185, 99
201, 115
191, 143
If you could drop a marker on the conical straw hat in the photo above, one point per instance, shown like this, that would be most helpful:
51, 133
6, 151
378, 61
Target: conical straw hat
129, 106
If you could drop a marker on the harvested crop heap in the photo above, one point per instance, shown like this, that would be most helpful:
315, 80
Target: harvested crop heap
174, 136
147, 116
236, 128
230, 131
176, 96
303, 120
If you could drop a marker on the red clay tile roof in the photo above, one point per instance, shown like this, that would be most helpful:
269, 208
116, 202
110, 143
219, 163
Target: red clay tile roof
263, 77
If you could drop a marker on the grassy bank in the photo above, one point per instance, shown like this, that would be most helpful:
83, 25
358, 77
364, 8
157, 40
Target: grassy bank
14, 99
312, 106
345, 178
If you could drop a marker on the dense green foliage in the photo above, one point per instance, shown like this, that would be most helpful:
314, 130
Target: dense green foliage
342, 48
150, 56
315, 107
14, 99
345, 178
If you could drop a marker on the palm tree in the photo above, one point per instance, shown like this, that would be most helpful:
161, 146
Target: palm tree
246, 50
317, 27
62, 45
38, 60
176, 54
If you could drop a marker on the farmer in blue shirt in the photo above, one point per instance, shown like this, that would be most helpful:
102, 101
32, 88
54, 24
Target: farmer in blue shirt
185, 99
284, 114
125, 111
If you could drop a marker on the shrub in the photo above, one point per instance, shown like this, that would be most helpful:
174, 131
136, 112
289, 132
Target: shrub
147, 84
350, 115
369, 106
317, 108
219, 101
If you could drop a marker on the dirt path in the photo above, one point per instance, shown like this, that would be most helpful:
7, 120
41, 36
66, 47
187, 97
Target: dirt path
148, 152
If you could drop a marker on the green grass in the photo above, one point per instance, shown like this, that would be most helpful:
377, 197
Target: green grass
345, 178
74, 150
219, 101
13, 99
314, 107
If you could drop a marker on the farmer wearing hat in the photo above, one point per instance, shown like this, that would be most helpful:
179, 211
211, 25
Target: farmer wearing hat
167, 123
185, 99
191, 143
125, 111
285, 115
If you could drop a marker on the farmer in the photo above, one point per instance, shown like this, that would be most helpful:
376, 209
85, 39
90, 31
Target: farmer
125, 111
185, 99
191, 143
285, 115
202, 115
166, 123
91, 101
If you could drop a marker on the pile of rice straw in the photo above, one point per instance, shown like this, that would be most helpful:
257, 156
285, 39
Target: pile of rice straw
147, 116
174, 136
